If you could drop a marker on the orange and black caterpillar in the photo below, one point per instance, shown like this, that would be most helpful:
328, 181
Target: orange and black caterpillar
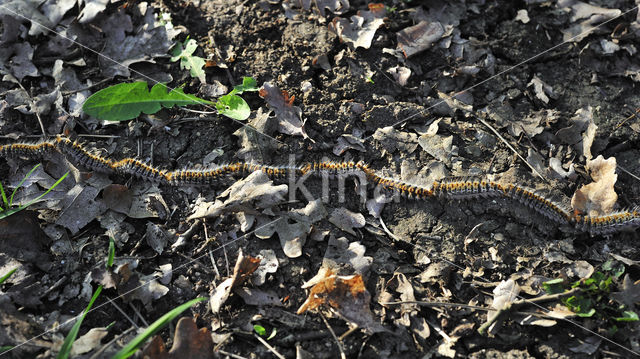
455, 188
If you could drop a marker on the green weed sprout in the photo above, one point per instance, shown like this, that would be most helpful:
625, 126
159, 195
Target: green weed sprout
263, 332
6, 210
138, 341
593, 300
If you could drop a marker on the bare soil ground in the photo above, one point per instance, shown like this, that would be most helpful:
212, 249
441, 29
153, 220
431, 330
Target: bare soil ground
556, 106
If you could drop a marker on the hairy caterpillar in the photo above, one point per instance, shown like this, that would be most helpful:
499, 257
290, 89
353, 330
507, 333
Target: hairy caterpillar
453, 188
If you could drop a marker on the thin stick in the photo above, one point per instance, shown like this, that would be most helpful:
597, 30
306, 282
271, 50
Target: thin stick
230, 354
271, 349
123, 313
333, 334
519, 303
629, 173
510, 147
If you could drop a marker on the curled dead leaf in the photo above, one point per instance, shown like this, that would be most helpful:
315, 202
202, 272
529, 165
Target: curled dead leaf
598, 197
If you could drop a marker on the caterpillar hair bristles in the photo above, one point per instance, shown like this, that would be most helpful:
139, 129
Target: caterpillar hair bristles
466, 188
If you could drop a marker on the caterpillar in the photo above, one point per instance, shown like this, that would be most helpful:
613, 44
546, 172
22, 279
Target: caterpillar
451, 188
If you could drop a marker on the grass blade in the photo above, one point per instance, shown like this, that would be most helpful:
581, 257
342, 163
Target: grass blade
20, 184
65, 350
6, 276
137, 342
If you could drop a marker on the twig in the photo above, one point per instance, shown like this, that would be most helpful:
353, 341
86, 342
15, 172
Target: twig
230, 354
333, 334
629, 173
510, 147
123, 313
135, 310
70, 92
271, 349
519, 303
35, 110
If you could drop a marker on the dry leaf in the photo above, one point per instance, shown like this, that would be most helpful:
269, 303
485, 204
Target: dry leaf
292, 228
542, 90
360, 30
268, 264
258, 297
188, 342
505, 293
630, 294
419, 37
345, 296
245, 265
593, 15
400, 74
598, 197
581, 133
347, 220
88, 342
392, 140
254, 191
289, 116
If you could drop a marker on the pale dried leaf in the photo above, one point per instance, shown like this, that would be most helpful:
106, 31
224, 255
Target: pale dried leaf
598, 197
88, 342
505, 293
542, 90
581, 133
258, 297
419, 37
245, 266
591, 14
255, 191
268, 264
347, 220
392, 140
360, 30
400, 74
290, 120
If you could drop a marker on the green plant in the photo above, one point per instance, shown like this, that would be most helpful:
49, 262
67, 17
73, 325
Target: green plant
112, 252
263, 332
6, 276
594, 298
6, 211
65, 350
184, 53
137, 342
234, 106
126, 101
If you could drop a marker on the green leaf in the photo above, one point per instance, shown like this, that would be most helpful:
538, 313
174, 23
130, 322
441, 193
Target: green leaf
248, 84
554, 286
65, 350
628, 316
126, 101
260, 330
137, 342
4, 348
6, 276
184, 53
112, 252
233, 106
588, 314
